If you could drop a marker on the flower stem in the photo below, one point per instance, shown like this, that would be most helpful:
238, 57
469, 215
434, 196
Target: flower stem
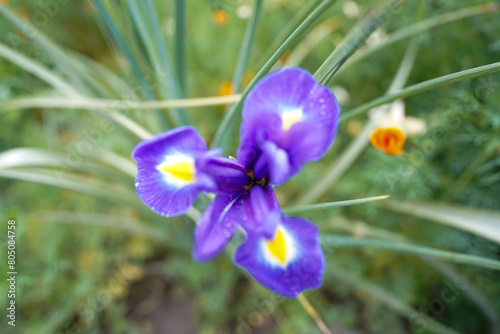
312, 312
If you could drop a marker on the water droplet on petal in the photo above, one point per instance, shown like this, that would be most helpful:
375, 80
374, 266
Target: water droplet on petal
137, 184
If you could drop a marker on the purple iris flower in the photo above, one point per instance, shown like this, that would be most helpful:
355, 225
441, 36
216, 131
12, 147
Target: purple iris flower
288, 120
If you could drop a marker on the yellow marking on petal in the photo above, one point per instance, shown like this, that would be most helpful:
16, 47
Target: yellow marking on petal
179, 169
290, 117
278, 247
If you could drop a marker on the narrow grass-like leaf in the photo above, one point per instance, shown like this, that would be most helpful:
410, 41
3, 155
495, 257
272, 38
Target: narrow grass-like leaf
246, 47
417, 28
353, 41
300, 16
37, 69
180, 43
228, 124
350, 154
367, 231
82, 102
330, 205
387, 298
339, 241
422, 87
175, 90
478, 221
104, 220
77, 183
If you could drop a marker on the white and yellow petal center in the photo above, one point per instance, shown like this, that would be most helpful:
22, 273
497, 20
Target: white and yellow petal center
290, 117
178, 169
279, 250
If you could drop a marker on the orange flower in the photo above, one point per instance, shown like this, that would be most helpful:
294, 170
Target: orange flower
226, 88
388, 140
220, 17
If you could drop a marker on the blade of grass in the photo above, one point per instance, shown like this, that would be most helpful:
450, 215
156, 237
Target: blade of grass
288, 29
60, 58
330, 205
386, 298
426, 25
82, 102
357, 146
77, 183
175, 90
58, 83
353, 41
313, 38
478, 221
132, 58
314, 315
246, 46
37, 69
224, 132
338, 241
180, 43
363, 230
422, 87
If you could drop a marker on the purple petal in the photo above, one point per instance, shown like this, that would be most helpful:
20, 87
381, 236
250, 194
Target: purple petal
218, 224
301, 267
266, 213
289, 109
167, 190
228, 174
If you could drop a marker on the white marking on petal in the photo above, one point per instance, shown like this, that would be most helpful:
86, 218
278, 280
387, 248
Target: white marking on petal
289, 117
178, 169
286, 244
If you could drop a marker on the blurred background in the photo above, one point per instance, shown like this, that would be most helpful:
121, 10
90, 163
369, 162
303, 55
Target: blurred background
92, 259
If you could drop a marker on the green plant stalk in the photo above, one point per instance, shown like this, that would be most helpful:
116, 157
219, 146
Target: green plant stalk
358, 145
387, 298
288, 29
405, 33
228, 123
246, 47
422, 87
180, 43
180, 116
476, 296
36, 69
84, 102
46, 75
478, 261
330, 205
126, 49
353, 41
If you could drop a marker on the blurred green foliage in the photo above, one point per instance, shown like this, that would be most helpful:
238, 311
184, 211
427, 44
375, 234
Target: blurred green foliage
94, 265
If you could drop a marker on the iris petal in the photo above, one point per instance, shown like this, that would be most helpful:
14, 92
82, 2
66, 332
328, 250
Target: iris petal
288, 263
218, 224
168, 181
289, 109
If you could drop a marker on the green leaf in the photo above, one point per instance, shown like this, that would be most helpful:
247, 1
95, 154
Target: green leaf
387, 298
353, 41
426, 25
228, 124
438, 254
330, 205
477, 221
246, 47
422, 87
180, 43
